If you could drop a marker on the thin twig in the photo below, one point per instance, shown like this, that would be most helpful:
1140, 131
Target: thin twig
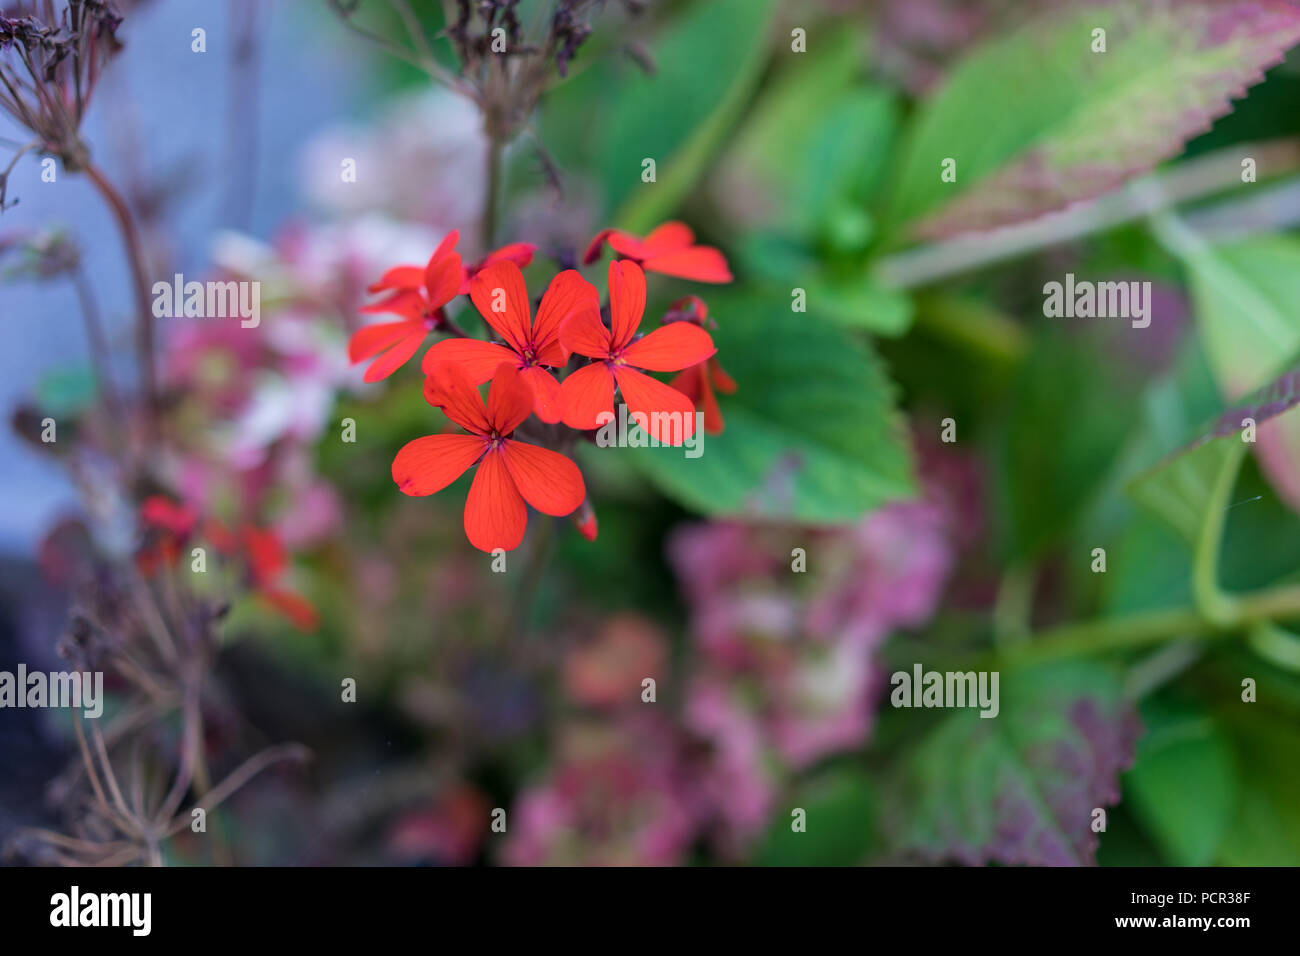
245, 772
4, 176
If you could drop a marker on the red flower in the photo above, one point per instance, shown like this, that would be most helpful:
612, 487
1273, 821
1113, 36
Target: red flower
699, 381
259, 549
419, 296
589, 391
520, 253
529, 345
670, 249
695, 384
509, 472
167, 525
267, 562
159, 511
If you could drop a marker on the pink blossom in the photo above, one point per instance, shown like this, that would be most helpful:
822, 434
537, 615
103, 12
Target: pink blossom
617, 796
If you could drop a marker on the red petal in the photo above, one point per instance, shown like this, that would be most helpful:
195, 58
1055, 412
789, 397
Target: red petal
713, 423
397, 356
548, 481
450, 388
222, 538
408, 302
585, 334
495, 516
520, 253
569, 294
510, 400
442, 279
670, 347
161, 512
554, 355
694, 384
626, 301
548, 400
399, 277
479, 359
587, 392
264, 552
699, 264
668, 414
300, 612
593, 250
429, 464
626, 244
372, 339
721, 380
447, 245
669, 237
512, 324
688, 382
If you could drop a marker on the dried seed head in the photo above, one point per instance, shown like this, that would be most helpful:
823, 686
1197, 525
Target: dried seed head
50, 61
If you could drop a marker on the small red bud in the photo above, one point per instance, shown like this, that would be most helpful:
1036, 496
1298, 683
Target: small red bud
584, 519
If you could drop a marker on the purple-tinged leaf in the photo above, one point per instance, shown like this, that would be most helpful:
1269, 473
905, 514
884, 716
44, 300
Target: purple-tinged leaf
1043, 118
1280, 395
1021, 787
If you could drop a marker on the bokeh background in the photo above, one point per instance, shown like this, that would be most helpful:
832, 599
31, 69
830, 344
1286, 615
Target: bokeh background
969, 546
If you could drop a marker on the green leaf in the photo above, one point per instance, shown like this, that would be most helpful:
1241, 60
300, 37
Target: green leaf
840, 807
787, 112
861, 304
811, 433
1071, 412
1191, 492
1020, 788
707, 65
841, 295
66, 391
1072, 123
1246, 297
1187, 487
1247, 300
1265, 827
814, 142
1149, 568
1191, 488
1184, 752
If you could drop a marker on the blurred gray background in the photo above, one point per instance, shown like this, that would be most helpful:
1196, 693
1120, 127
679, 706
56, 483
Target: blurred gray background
221, 129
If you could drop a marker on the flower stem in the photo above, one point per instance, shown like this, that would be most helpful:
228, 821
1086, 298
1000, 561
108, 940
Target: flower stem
1155, 627
144, 328
98, 343
492, 199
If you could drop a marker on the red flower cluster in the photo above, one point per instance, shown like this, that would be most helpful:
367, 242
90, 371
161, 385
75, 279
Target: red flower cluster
170, 525
418, 295
564, 365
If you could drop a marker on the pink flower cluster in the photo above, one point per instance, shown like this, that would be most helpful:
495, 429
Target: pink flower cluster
789, 673
782, 672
